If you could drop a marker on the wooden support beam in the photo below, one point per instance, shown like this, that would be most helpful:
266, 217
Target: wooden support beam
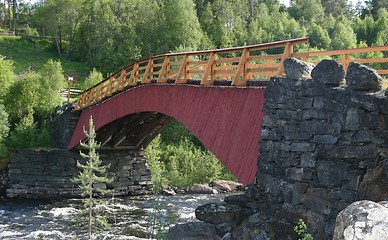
182, 69
209, 69
132, 78
148, 71
241, 70
149, 129
288, 49
163, 71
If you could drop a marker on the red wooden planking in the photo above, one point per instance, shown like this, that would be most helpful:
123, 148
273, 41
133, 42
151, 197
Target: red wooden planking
227, 120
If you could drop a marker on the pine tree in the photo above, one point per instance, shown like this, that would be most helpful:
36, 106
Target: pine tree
93, 171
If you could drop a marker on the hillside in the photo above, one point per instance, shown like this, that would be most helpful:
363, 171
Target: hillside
34, 53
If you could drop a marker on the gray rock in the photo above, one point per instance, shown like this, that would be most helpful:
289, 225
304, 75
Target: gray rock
224, 228
193, 231
362, 220
226, 186
328, 72
297, 69
362, 78
201, 189
217, 213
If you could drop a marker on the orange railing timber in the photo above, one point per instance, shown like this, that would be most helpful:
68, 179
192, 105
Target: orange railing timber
236, 66
345, 56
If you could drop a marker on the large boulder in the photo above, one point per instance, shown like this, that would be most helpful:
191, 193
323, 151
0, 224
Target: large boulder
193, 231
329, 72
362, 78
217, 213
201, 189
362, 220
226, 186
297, 69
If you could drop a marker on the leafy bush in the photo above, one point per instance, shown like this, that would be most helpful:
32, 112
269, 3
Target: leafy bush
183, 164
93, 78
301, 230
4, 130
7, 77
28, 135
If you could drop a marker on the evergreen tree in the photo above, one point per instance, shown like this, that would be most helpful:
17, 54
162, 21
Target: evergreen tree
93, 171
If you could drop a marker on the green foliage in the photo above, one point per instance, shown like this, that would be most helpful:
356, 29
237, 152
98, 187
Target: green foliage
343, 36
301, 230
7, 77
52, 80
92, 173
93, 78
159, 220
31, 31
35, 93
28, 135
183, 164
4, 130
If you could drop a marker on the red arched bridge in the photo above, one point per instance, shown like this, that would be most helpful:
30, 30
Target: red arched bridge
217, 94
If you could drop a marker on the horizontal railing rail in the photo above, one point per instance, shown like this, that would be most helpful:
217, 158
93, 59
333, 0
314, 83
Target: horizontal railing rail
236, 66
345, 56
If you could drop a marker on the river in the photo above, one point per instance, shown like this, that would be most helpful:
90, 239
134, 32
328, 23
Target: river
131, 217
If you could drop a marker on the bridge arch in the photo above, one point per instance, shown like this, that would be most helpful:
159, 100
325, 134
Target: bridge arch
227, 120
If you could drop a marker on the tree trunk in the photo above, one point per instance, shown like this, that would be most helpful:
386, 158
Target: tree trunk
14, 5
9, 15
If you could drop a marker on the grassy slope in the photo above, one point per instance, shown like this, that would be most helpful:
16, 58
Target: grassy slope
34, 53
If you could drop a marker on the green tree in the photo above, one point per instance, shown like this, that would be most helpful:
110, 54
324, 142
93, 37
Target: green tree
342, 36
93, 78
319, 37
4, 130
308, 10
181, 28
52, 80
7, 76
336, 7
92, 172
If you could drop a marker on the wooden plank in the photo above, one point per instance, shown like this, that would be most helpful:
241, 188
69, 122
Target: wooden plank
371, 60
287, 53
209, 70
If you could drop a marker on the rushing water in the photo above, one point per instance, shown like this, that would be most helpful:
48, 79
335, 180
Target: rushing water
130, 216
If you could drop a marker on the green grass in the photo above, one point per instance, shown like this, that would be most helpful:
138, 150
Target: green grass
35, 53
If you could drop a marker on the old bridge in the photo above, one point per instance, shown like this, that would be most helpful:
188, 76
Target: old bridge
217, 94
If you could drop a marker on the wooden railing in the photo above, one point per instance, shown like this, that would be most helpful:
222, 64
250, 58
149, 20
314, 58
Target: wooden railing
231, 66
234, 65
345, 56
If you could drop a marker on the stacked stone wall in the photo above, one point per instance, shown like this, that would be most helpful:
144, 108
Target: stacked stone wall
47, 173
322, 148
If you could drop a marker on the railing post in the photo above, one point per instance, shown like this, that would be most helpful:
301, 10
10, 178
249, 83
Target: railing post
288, 49
165, 66
241, 69
346, 61
182, 69
148, 70
209, 69
133, 75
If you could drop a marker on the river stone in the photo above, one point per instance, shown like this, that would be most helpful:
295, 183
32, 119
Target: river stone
362, 78
201, 189
362, 220
224, 228
217, 213
297, 69
328, 72
193, 231
226, 186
